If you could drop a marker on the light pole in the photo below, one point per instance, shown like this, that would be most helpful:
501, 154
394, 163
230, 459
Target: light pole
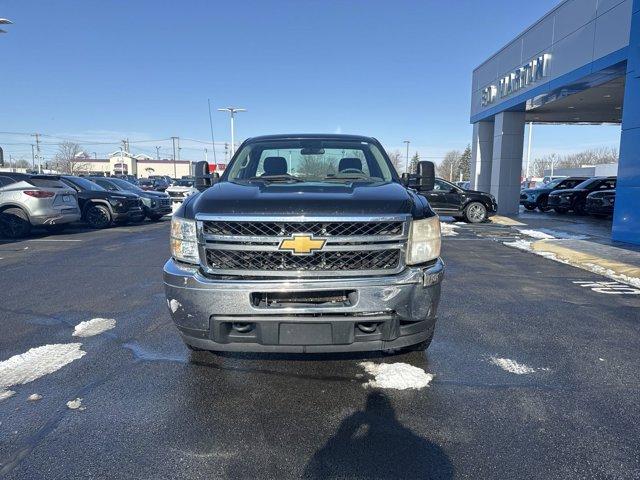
406, 166
232, 111
158, 153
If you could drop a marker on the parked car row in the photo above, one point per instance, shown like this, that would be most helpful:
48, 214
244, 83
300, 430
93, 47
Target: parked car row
55, 201
581, 195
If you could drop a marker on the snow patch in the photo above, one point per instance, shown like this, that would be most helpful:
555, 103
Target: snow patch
174, 305
75, 404
400, 376
35, 363
448, 230
535, 233
547, 233
512, 366
34, 397
4, 394
93, 327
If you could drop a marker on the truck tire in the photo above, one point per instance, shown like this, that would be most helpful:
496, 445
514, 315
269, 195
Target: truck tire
97, 216
475, 212
14, 223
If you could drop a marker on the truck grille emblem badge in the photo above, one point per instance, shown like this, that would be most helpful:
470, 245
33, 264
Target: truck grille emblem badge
302, 244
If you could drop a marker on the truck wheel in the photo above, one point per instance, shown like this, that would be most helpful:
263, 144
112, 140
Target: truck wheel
475, 212
530, 207
14, 223
98, 216
561, 210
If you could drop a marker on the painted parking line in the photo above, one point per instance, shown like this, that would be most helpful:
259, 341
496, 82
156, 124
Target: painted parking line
609, 288
53, 240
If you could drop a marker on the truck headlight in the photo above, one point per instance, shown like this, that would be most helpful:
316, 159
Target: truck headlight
184, 242
424, 240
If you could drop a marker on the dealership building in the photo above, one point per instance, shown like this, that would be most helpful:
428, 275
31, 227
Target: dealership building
579, 64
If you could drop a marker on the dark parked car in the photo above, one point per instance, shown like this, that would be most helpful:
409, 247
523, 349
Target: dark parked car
574, 198
155, 204
600, 203
533, 198
156, 184
449, 199
100, 207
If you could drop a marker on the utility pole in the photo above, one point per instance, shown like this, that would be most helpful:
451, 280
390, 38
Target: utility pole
33, 156
158, 153
175, 170
406, 166
232, 111
206, 157
529, 151
37, 135
95, 156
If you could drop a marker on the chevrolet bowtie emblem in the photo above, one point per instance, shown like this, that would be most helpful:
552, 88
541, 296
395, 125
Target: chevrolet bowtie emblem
303, 244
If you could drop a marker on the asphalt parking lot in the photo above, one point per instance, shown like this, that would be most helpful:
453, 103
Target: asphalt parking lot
150, 410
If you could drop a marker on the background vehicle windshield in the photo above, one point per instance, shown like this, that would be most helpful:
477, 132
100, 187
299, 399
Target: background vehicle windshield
552, 183
313, 160
85, 184
123, 184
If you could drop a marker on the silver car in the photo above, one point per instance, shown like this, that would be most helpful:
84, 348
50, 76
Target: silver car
28, 200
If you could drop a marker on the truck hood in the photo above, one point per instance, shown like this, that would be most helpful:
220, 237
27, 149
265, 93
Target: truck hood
322, 199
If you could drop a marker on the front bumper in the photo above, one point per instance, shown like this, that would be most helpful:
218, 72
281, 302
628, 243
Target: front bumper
397, 311
136, 213
559, 201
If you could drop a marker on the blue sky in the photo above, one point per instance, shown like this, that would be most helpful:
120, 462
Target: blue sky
99, 71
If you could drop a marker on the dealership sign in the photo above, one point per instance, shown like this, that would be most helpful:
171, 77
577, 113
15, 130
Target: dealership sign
520, 78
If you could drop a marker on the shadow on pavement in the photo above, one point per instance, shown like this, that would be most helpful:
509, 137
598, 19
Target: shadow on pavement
373, 444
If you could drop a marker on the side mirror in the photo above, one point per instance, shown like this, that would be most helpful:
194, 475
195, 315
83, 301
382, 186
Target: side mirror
203, 179
426, 176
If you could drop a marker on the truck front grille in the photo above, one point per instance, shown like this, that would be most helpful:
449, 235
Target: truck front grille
243, 246
283, 229
321, 261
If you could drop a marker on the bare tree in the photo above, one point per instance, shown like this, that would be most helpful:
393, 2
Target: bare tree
315, 166
595, 156
449, 166
70, 159
397, 160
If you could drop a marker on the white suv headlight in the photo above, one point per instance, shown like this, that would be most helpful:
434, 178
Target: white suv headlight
184, 241
424, 240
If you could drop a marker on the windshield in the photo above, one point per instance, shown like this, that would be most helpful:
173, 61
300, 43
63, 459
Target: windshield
123, 184
85, 184
552, 183
310, 160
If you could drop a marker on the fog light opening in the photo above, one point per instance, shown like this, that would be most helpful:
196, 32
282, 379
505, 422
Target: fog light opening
368, 327
242, 327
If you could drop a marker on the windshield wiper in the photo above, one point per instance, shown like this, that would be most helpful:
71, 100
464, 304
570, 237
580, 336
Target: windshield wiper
276, 178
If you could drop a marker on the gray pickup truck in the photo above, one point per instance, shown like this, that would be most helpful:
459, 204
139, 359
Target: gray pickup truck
307, 243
